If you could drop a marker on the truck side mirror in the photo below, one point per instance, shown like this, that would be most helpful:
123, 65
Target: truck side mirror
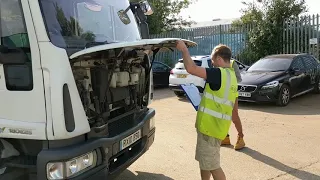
12, 55
146, 8
140, 10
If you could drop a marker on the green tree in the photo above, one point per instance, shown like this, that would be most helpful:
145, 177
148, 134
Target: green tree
265, 35
166, 16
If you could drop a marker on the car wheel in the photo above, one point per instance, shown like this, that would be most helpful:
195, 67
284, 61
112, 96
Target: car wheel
284, 95
317, 87
178, 93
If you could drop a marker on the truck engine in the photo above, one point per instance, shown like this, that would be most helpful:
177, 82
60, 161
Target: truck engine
113, 86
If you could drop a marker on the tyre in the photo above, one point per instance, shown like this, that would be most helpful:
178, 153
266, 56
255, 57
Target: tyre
317, 87
284, 95
179, 93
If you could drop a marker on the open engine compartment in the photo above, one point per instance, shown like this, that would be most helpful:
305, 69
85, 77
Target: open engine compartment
111, 84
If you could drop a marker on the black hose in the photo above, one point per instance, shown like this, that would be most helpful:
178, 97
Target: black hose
108, 87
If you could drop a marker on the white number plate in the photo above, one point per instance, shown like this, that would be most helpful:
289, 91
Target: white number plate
124, 143
244, 94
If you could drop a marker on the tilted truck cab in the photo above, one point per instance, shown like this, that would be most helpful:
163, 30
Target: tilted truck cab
75, 85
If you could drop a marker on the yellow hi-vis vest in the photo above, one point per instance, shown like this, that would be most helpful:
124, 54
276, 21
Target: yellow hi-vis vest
214, 114
231, 62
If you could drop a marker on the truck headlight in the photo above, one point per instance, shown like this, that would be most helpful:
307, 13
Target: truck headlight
271, 84
71, 168
152, 123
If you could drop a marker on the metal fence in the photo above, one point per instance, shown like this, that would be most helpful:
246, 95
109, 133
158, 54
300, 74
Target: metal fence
206, 38
300, 35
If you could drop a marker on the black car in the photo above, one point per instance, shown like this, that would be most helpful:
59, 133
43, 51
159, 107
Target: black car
278, 78
161, 73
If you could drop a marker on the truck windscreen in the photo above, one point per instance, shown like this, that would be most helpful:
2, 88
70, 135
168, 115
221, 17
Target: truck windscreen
75, 24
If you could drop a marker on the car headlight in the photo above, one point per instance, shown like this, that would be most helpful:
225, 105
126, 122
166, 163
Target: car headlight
271, 84
71, 168
152, 123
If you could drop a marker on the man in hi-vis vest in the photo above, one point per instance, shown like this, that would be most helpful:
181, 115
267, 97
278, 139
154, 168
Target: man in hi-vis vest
214, 114
235, 115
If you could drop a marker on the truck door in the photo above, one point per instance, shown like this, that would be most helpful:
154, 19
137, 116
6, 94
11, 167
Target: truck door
22, 107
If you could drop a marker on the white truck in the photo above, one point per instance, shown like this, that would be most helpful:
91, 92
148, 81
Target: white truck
75, 85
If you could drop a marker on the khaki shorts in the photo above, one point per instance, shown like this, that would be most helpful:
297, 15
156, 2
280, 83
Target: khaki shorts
208, 152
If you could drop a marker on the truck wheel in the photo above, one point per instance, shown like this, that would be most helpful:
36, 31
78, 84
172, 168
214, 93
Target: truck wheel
178, 93
284, 96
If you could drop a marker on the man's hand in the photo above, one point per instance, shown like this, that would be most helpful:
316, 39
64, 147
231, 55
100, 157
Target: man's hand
181, 46
189, 64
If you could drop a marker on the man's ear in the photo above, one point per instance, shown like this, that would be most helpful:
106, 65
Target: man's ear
219, 58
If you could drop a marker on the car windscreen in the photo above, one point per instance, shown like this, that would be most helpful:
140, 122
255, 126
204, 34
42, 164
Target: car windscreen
271, 65
197, 62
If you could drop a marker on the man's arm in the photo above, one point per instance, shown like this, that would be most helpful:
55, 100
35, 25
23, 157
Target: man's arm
190, 66
211, 75
237, 71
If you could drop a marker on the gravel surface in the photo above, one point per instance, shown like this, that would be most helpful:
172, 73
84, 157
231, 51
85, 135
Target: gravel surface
282, 142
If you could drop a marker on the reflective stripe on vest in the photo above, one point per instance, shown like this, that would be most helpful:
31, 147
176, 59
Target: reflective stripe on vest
226, 93
219, 100
215, 114
215, 110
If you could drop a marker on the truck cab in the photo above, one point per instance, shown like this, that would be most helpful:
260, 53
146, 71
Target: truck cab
75, 87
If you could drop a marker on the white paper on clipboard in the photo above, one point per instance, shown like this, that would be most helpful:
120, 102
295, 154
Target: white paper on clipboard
193, 94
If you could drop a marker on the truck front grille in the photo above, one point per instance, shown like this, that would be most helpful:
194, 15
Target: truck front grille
123, 124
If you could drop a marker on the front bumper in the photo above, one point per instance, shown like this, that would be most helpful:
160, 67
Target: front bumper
107, 150
177, 87
262, 95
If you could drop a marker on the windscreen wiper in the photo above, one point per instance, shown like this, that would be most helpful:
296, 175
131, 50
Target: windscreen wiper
94, 43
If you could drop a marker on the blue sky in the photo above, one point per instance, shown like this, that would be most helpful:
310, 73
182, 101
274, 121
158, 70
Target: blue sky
206, 10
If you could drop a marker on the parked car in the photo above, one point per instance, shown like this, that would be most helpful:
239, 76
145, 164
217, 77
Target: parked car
179, 74
278, 78
161, 74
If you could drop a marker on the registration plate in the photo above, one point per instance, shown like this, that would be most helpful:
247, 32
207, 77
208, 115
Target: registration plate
126, 142
182, 75
244, 94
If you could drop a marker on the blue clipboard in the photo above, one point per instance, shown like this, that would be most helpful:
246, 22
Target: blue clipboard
193, 94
